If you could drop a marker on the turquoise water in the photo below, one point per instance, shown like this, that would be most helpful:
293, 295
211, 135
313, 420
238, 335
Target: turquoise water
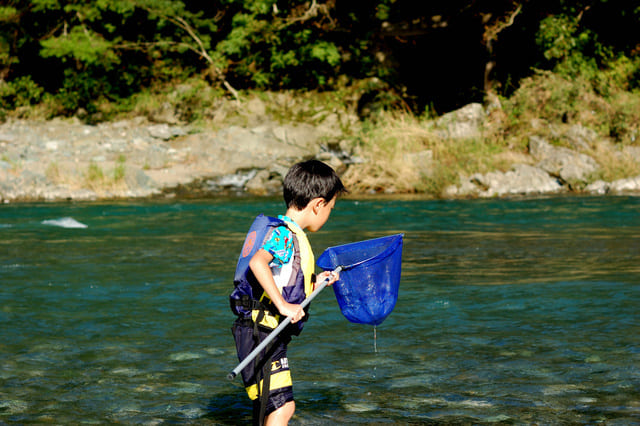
510, 311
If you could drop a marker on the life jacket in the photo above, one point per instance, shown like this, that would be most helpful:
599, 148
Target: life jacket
248, 299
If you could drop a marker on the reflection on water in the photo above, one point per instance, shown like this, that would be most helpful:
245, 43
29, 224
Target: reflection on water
521, 311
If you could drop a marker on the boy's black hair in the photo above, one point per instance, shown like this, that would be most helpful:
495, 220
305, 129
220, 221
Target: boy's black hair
308, 180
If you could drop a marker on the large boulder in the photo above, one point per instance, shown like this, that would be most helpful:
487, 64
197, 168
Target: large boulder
568, 165
464, 123
620, 186
523, 179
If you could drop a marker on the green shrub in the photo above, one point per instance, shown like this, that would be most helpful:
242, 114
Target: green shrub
19, 93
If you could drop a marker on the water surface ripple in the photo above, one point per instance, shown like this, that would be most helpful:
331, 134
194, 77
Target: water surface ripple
510, 311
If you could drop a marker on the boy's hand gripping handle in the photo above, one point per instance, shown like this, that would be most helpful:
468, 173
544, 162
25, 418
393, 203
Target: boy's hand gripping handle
278, 329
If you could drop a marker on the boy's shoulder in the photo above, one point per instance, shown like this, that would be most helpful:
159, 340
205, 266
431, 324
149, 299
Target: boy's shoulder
263, 221
257, 233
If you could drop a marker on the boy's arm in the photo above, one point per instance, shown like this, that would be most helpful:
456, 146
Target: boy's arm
259, 265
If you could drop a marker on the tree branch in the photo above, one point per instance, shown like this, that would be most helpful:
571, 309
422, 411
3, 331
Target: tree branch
489, 36
200, 50
491, 31
312, 12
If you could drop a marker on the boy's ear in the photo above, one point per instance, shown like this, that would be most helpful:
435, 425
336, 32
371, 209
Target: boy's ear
316, 203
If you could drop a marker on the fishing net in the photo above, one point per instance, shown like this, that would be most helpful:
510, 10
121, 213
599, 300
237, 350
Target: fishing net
368, 287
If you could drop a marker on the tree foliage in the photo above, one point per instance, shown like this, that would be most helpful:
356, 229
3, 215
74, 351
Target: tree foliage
440, 54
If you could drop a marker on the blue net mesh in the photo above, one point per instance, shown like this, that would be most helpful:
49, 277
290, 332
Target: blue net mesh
368, 287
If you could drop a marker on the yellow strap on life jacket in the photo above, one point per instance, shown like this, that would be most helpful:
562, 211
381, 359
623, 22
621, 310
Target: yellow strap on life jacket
307, 260
307, 264
268, 320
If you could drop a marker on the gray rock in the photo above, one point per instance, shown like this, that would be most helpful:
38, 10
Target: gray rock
263, 183
539, 148
620, 186
467, 188
165, 132
52, 145
581, 137
165, 114
7, 137
280, 169
599, 187
240, 148
136, 179
304, 136
568, 165
155, 156
464, 123
626, 185
255, 107
235, 181
522, 180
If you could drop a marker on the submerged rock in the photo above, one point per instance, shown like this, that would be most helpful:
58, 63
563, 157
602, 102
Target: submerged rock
13, 406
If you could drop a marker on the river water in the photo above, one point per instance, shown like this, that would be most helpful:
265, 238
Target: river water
510, 311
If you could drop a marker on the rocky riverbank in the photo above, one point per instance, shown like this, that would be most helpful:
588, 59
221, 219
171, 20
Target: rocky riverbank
64, 159
69, 160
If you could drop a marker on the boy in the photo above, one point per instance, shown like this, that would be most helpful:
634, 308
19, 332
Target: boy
273, 277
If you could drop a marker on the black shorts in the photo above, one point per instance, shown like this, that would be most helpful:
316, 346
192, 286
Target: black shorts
280, 384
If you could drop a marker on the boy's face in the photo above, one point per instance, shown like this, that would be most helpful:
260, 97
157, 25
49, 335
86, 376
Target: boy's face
322, 214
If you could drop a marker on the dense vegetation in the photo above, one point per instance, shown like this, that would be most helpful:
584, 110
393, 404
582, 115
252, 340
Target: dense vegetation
397, 62
427, 55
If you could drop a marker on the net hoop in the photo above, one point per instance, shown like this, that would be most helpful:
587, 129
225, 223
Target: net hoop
367, 290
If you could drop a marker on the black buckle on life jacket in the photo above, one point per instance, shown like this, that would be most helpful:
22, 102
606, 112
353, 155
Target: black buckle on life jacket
246, 302
250, 304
